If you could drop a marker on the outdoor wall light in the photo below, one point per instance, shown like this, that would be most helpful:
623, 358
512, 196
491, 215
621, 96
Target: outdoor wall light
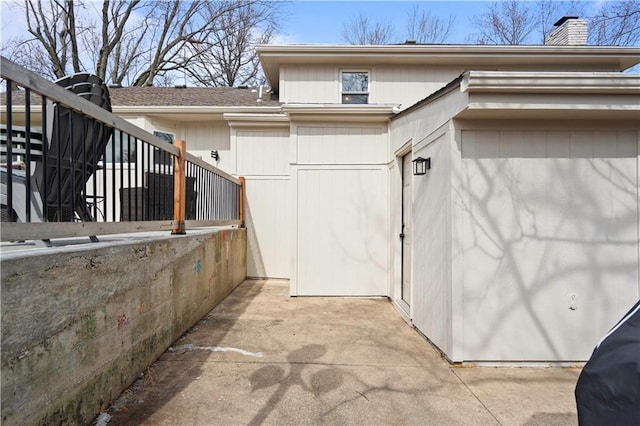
215, 155
421, 165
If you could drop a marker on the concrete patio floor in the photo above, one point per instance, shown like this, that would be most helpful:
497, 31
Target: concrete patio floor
262, 357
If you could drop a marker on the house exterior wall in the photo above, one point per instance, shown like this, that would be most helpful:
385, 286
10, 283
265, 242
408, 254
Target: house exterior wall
202, 138
545, 214
340, 209
397, 84
309, 84
389, 84
432, 289
263, 159
526, 213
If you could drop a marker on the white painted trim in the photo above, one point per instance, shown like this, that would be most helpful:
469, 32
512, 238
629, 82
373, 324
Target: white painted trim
267, 177
355, 70
233, 145
326, 109
550, 82
456, 231
256, 120
337, 113
397, 304
404, 149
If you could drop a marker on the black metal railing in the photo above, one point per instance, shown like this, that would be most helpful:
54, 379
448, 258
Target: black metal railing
70, 167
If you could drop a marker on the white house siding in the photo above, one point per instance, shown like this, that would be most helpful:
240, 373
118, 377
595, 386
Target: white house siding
432, 296
263, 159
309, 84
202, 138
399, 84
407, 85
341, 210
546, 214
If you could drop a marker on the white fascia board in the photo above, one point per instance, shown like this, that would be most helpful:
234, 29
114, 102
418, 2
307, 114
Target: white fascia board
550, 82
256, 120
340, 112
557, 106
426, 53
549, 111
551, 106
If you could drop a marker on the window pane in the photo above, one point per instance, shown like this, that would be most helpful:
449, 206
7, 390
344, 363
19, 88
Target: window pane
355, 82
159, 157
355, 99
128, 153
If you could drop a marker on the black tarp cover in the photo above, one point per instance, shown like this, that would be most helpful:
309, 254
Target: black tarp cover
608, 389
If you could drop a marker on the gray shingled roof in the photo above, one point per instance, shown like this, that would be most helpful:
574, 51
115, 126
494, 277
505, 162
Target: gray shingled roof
188, 96
172, 96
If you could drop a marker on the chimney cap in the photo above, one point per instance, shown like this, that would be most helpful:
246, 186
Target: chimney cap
563, 20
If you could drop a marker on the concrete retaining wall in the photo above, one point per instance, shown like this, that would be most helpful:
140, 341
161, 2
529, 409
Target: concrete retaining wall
79, 325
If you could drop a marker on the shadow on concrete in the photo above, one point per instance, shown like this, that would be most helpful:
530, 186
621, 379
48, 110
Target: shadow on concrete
321, 382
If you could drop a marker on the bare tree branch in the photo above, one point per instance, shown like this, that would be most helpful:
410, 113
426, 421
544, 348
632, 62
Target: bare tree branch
617, 23
139, 40
549, 11
360, 30
423, 27
227, 57
508, 22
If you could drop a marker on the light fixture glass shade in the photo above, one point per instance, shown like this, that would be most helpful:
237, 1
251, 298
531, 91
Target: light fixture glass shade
421, 165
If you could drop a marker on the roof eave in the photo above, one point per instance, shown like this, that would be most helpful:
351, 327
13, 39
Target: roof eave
273, 57
177, 109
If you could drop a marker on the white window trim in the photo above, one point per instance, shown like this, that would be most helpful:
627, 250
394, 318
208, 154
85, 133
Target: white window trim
368, 92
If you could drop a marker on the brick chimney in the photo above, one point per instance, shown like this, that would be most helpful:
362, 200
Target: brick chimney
570, 31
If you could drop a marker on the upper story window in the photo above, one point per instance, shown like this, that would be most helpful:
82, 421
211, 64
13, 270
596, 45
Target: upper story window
355, 87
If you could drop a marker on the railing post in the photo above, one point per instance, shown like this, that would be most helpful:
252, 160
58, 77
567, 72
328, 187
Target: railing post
242, 194
179, 188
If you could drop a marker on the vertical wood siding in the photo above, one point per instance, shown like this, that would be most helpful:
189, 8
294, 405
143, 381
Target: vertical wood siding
341, 145
202, 138
263, 159
548, 213
342, 237
263, 152
268, 227
393, 84
342, 233
432, 284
